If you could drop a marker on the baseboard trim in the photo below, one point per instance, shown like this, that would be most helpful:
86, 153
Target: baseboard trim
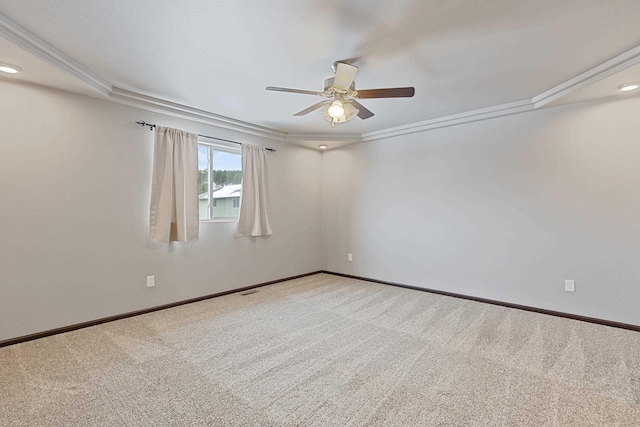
37, 335
496, 302
56, 331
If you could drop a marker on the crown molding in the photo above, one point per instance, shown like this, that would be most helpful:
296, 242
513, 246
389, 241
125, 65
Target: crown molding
347, 138
36, 46
604, 70
41, 49
452, 120
158, 105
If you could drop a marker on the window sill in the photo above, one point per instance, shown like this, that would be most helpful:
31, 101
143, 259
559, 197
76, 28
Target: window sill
219, 220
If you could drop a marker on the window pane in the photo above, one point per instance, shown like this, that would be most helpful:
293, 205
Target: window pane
226, 182
203, 182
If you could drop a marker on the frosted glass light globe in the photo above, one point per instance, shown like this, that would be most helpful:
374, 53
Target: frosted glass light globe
336, 110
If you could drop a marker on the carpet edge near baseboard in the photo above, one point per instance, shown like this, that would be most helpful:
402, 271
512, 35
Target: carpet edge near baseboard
81, 325
604, 322
63, 329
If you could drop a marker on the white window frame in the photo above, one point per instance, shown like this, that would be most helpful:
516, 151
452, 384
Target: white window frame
217, 146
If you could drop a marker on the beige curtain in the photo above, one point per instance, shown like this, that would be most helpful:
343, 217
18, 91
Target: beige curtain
253, 220
174, 189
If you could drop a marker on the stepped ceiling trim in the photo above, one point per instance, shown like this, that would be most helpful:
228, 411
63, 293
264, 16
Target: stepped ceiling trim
604, 70
41, 49
158, 105
324, 137
452, 120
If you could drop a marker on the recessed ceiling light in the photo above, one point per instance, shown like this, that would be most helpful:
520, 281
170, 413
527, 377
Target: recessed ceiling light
322, 147
628, 86
9, 69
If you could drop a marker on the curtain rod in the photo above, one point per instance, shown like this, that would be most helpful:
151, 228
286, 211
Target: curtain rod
142, 123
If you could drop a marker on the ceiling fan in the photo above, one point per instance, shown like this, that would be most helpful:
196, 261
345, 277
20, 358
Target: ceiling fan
342, 104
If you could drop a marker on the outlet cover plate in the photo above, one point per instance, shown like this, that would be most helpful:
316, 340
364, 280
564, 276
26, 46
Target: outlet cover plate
570, 285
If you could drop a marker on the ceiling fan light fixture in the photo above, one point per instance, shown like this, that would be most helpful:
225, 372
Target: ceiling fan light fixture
340, 104
336, 110
349, 112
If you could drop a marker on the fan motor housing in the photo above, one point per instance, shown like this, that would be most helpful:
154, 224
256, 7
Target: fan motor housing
329, 83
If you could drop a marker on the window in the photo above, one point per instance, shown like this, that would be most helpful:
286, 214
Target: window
219, 182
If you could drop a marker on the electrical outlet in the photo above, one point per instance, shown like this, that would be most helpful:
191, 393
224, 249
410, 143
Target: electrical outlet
151, 281
350, 257
570, 285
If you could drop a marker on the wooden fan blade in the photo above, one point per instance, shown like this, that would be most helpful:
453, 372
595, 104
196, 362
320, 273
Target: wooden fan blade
345, 73
314, 107
284, 89
363, 113
395, 92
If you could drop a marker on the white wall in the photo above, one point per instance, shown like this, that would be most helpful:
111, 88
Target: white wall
505, 209
74, 194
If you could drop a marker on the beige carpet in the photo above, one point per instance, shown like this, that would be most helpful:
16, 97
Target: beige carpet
325, 350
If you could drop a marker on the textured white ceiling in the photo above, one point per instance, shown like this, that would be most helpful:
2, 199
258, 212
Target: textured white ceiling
219, 56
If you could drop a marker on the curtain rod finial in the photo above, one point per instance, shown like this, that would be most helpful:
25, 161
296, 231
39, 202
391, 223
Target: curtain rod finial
142, 124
